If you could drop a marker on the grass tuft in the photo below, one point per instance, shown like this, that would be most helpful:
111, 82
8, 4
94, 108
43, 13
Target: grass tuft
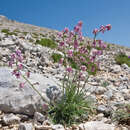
122, 59
47, 43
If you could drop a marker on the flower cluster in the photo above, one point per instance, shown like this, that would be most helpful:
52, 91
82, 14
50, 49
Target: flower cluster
102, 29
79, 52
17, 60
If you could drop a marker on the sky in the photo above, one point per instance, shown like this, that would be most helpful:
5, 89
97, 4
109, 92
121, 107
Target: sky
58, 14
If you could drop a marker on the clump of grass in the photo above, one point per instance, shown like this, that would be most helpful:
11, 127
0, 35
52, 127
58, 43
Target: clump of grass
47, 43
25, 33
122, 59
105, 84
56, 57
72, 108
31, 40
122, 115
7, 32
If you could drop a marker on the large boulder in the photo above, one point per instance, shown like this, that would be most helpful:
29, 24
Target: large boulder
23, 100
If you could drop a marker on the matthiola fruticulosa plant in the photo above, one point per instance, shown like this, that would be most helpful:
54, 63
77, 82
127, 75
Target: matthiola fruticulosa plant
79, 60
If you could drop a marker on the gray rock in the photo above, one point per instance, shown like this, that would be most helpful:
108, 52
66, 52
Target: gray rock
22, 100
115, 69
104, 109
109, 94
39, 117
6, 43
58, 127
125, 66
100, 90
10, 119
26, 126
96, 125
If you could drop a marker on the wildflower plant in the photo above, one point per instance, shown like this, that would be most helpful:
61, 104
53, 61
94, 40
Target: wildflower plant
16, 62
79, 60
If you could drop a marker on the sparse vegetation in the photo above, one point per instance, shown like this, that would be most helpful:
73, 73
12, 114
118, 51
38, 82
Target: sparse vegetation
47, 43
25, 33
122, 115
7, 32
105, 84
72, 107
122, 59
56, 57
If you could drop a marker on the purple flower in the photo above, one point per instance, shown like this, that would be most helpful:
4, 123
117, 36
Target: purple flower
108, 27
62, 44
70, 53
66, 30
80, 23
95, 31
28, 74
61, 61
129, 57
75, 44
20, 66
69, 69
21, 85
18, 52
102, 28
83, 68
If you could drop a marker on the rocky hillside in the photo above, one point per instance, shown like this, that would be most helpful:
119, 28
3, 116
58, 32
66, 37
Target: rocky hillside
22, 108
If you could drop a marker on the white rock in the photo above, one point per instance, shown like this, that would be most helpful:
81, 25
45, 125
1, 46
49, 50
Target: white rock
58, 127
7, 42
25, 100
26, 126
116, 68
96, 125
39, 117
10, 119
100, 90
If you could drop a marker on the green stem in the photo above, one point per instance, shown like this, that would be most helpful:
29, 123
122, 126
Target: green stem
32, 86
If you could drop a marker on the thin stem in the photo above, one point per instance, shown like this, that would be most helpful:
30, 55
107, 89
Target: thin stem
34, 88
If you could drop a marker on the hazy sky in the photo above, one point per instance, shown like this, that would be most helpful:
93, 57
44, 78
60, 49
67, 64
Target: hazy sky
57, 14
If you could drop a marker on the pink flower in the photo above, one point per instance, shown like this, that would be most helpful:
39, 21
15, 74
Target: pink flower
75, 44
83, 68
21, 85
13, 56
45, 107
108, 27
20, 66
62, 44
69, 69
82, 58
59, 34
66, 30
76, 29
17, 74
93, 69
10, 63
102, 29
94, 43
70, 53
95, 31
28, 74
99, 52
61, 61
18, 52
80, 23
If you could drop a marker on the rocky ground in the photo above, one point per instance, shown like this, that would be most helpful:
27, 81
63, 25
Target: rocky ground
20, 108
